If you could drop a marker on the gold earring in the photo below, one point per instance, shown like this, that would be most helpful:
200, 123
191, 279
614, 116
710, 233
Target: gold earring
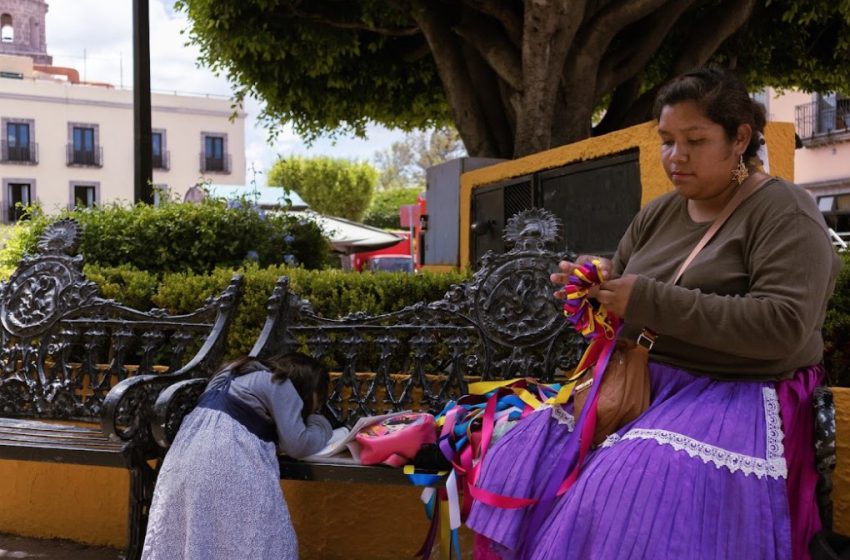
740, 173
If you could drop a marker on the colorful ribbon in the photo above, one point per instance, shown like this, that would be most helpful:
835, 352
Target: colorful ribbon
467, 425
601, 328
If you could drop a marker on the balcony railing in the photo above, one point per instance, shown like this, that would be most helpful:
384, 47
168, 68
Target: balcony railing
88, 158
819, 121
162, 160
18, 154
217, 165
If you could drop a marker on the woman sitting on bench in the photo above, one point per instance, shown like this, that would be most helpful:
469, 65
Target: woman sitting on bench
721, 464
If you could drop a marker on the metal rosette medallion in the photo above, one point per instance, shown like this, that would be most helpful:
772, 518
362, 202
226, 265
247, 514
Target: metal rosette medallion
35, 296
515, 303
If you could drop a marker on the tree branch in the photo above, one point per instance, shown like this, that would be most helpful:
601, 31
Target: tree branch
711, 32
417, 53
581, 70
502, 11
460, 94
704, 39
613, 18
511, 100
293, 10
490, 100
621, 101
492, 45
622, 64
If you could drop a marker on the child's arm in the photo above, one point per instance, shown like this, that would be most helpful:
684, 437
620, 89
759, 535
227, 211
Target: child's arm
294, 437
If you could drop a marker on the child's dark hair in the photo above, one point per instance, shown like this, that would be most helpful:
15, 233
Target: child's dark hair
308, 375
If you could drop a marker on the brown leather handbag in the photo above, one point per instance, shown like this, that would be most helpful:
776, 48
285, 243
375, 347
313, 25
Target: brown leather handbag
624, 394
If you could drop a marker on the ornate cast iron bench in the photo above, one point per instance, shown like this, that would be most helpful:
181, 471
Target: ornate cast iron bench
503, 323
79, 373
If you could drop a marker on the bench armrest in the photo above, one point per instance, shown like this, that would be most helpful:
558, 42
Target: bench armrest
172, 405
825, 457
123, 408
127, 408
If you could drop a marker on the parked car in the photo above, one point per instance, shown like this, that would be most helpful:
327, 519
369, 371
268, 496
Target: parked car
358, 261
390, 263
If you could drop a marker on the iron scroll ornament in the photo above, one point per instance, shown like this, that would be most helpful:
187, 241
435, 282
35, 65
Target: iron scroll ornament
512, 295
46, 285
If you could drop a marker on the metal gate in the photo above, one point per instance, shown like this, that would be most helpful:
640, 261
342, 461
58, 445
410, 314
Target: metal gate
595, 200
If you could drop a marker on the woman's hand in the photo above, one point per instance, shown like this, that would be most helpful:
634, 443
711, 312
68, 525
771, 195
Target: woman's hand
606, 268
615, 294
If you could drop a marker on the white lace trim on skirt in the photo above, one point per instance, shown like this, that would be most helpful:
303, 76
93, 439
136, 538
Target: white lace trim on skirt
773, 465
560, 415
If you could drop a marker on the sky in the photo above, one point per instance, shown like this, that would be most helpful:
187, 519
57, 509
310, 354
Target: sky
96, 38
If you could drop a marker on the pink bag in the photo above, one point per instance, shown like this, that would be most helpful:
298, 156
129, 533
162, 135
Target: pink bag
395, 441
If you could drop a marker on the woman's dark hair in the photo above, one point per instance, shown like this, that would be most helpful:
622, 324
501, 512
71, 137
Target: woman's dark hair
308, 375
723, 99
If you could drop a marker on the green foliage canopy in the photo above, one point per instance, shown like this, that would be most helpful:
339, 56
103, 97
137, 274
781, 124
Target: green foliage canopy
514, 77
384, 210
332, 186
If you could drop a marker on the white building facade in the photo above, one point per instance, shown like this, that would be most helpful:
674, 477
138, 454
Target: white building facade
66, 143
822, 159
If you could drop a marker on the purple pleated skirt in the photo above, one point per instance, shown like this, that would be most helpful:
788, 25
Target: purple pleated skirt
713, 469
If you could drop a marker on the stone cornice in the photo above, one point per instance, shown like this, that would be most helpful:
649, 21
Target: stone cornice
116, 104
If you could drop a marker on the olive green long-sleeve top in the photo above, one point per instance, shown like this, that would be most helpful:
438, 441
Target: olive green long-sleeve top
752, 303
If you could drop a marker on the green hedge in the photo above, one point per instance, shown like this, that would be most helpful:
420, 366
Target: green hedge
176, 237
836, 329
333, 293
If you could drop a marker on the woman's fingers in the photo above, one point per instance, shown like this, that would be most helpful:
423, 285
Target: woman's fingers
561, 278
566, 268
615, 294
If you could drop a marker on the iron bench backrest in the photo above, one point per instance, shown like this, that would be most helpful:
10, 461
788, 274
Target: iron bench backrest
63, 347
503, 323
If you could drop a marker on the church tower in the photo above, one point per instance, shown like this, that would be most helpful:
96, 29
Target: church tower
22, 29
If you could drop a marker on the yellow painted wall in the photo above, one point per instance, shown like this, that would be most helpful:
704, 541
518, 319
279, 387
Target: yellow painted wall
332, 520
81, 503
780, 143
841, 477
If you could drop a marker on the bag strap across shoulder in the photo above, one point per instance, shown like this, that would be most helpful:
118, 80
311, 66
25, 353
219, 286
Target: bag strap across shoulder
751, 185
647, 337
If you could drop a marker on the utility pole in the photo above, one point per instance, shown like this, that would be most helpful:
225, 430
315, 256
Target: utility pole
143, 152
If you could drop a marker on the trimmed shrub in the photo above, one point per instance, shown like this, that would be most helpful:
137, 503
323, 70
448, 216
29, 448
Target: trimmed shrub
332, 186
176, 237
836, 329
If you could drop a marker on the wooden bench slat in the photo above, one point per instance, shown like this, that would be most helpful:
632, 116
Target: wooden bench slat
104, 446
37, 425
27, 451
61, 438
341, 471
